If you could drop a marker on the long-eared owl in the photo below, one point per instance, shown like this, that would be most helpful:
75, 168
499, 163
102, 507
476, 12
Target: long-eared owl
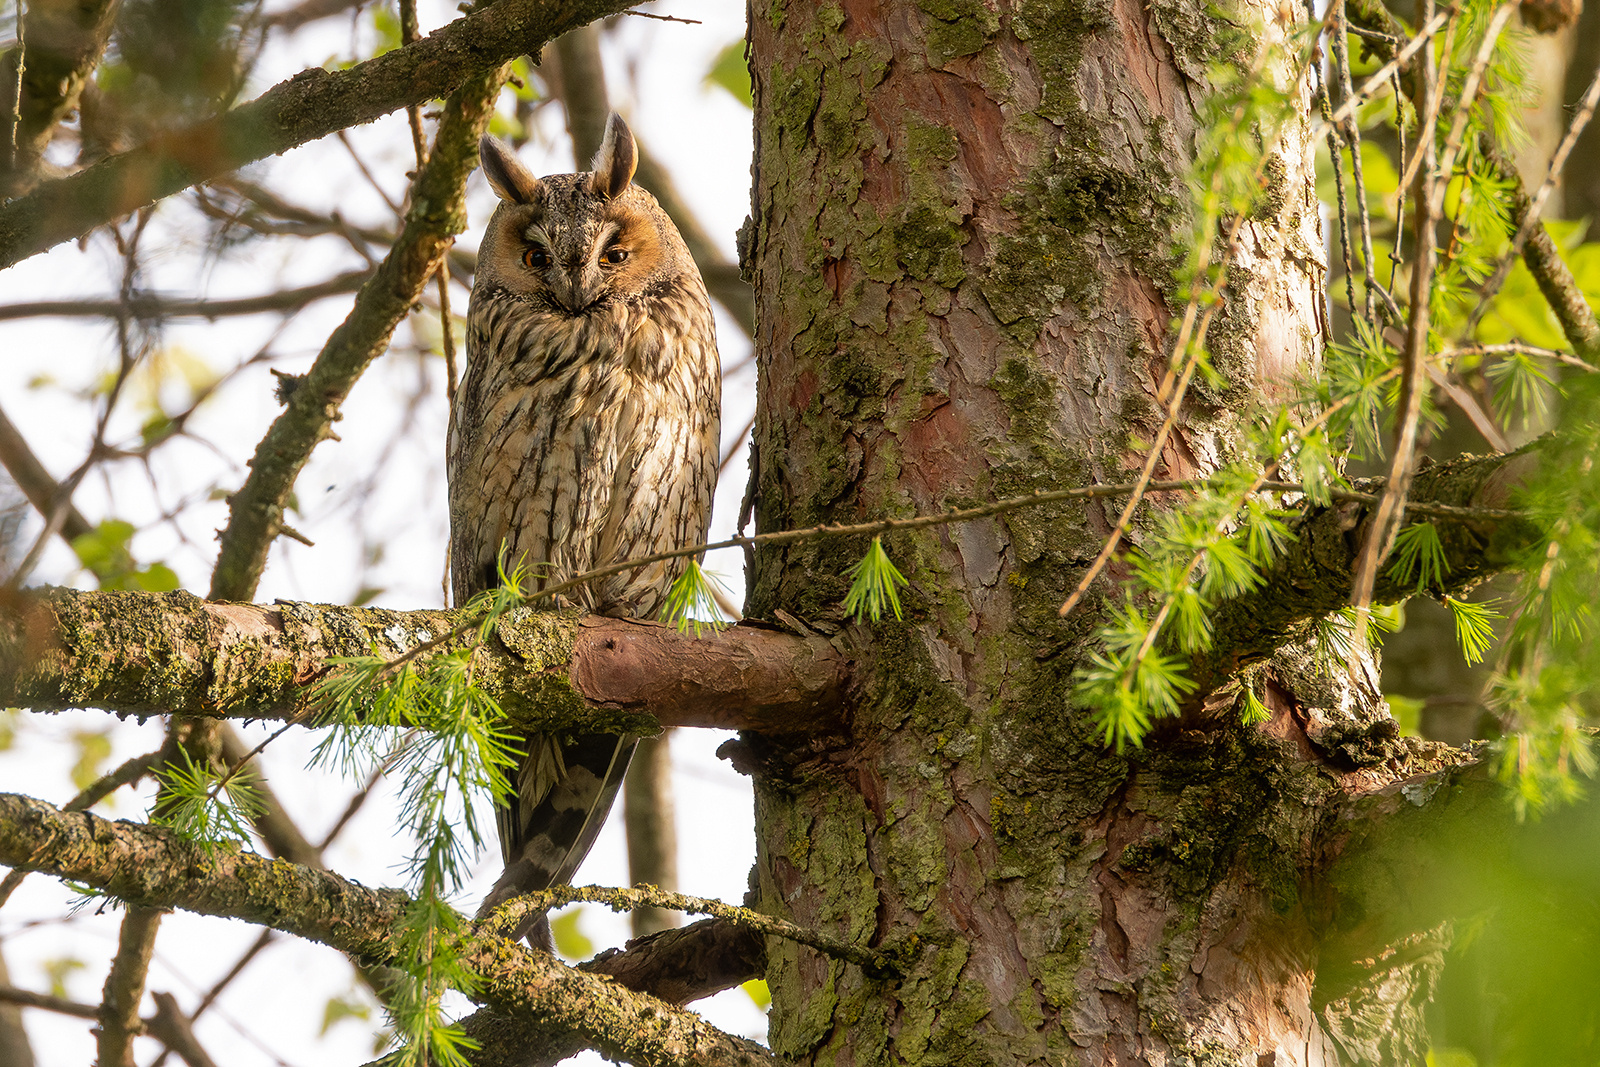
584, 433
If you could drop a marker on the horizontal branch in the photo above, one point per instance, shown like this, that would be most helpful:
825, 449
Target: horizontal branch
676, 965
149, 653
151, 867
312, 104
877, 962
153, 305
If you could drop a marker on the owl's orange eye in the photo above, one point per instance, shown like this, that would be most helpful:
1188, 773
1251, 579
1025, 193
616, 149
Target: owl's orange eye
536, 258
616, 255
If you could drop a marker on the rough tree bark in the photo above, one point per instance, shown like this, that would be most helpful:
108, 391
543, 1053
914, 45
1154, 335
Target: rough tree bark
963, 246
965, 231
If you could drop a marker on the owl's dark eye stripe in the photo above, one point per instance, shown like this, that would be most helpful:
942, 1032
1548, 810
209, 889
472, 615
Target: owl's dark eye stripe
536, 258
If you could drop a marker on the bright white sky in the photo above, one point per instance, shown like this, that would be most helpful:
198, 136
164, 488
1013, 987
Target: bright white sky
273, 1013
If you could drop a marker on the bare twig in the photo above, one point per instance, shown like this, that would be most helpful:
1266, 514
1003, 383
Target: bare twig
124, 988
172, 1028
1532, 241
1388, 70
436, 215
1386, 521
506, 917
145, 305
45, 1002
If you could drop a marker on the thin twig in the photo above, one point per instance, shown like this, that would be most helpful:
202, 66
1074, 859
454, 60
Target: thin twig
660, 18
149, 305
1386, 522
641, 896
45, 1002
1352, 135
1469, 100
15, 118
260, 943
1371, 85
921, 522
1325, 105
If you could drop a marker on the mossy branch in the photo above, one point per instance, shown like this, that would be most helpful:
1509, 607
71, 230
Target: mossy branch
312, 104
152, 868
676, 965
150, 653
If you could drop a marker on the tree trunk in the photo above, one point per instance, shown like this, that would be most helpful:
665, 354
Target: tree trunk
966, 229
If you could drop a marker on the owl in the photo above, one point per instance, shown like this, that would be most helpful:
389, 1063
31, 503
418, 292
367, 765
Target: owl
584, 433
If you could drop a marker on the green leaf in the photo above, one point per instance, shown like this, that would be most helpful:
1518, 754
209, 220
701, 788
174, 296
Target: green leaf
104, 552
57, 971
1407, 711
570, 941
730, 71
155, 578
338, 1009
1255, 712
874, 585
94, 748
756, 989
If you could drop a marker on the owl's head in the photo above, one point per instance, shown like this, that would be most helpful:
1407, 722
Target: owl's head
577, 242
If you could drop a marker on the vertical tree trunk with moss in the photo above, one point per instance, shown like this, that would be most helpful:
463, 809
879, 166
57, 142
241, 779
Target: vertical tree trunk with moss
967, 223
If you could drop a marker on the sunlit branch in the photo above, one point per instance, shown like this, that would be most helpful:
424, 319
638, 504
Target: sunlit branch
312, 104
146, 305
153, 868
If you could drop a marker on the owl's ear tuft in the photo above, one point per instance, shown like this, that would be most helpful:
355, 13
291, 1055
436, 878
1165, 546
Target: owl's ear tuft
511, 181
614, 164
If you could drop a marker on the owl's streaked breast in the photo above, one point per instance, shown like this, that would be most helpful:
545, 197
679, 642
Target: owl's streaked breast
580, 440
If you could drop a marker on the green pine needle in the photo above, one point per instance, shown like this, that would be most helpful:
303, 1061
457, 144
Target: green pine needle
874, 585
192, 804
1255, 712
1474, 626
1419, 557
692, 601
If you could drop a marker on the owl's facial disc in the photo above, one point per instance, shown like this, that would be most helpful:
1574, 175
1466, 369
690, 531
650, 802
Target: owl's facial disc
581, 265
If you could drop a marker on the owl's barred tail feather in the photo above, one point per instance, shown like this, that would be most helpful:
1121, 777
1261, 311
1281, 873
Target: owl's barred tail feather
544, 844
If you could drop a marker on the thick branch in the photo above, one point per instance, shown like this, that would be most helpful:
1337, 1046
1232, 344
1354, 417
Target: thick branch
1550, 272
150, 867
1313, 577
676, 965
312, 104
65, 39
124, 988
148, 653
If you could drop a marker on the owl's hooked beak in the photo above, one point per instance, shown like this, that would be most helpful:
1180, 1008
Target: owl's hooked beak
579, 287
